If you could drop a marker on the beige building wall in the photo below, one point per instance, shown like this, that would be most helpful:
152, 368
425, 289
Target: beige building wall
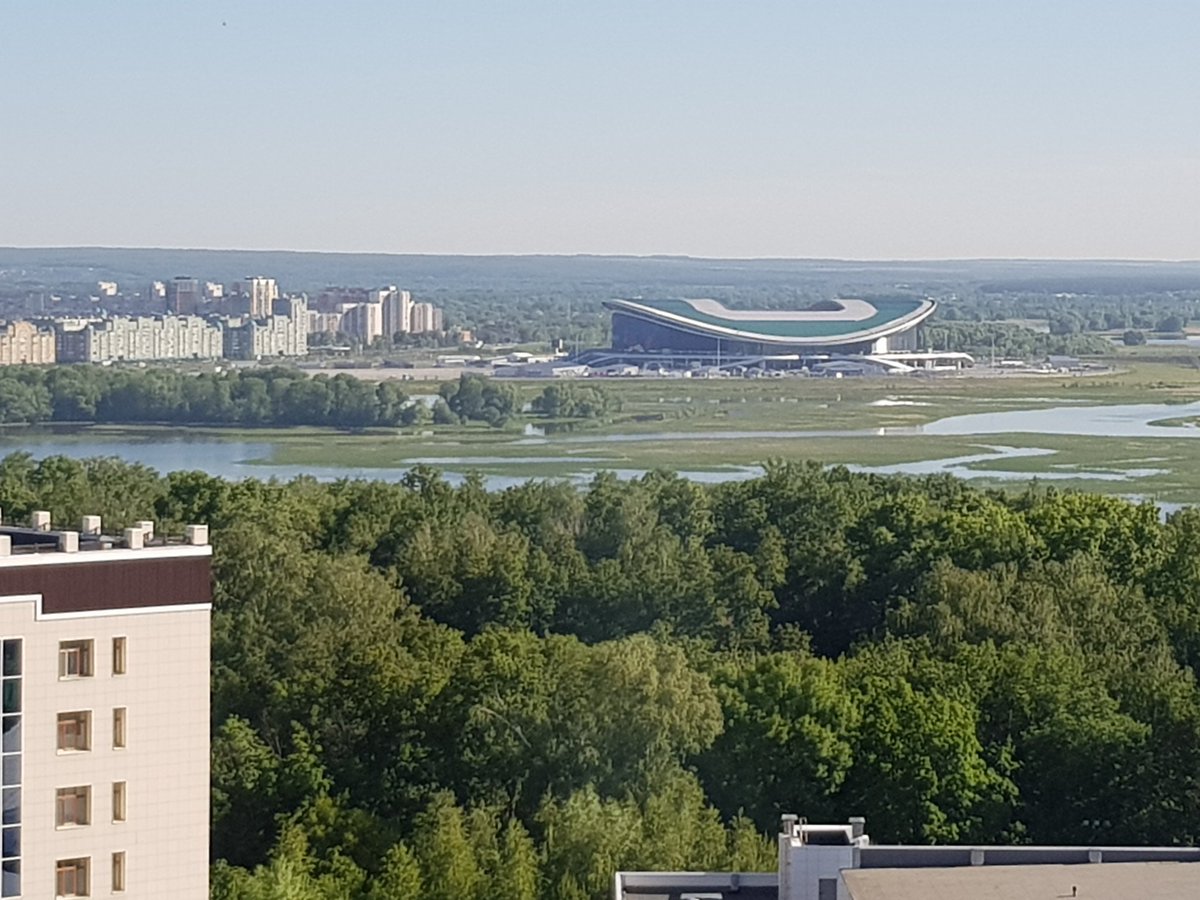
165, 761
23, 343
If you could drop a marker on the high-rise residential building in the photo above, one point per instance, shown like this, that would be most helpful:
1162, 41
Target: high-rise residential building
397, 310
104, 768
183, 295
213, 290
363, 321
23, 343
138, 338
426, 317
284, 333
106, 288
262, 294
323, 322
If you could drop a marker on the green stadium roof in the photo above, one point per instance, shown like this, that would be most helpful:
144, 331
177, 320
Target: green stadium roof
839, 321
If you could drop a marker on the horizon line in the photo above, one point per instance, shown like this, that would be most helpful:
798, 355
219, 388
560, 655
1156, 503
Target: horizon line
638, 256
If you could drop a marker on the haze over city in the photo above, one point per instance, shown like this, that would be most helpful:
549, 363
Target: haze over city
853, 130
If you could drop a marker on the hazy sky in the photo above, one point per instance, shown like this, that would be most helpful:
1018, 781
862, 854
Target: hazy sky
902, 129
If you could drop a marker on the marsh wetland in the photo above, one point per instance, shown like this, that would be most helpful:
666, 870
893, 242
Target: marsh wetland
1131, 432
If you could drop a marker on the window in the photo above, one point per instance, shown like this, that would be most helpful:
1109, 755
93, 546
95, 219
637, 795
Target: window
118, 656
10, 771
119, 728
71, 877
73, 806
118, 873
118, 801
74, 731
75, 659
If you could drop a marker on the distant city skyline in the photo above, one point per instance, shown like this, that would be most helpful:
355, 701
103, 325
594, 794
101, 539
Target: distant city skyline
911, 129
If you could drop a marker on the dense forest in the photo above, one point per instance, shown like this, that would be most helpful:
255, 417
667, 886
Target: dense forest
424, 690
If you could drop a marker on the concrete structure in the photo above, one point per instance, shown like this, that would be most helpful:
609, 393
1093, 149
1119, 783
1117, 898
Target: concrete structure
425, 317
283, 333
842, 326
106, 288
839, 862
183, 295
363, 321
23, 343
105, 755
141, 338
261, 293
213, 290
324, 323
397, 310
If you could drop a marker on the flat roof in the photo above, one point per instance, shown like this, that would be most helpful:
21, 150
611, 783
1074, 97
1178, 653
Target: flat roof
1110, 881
840, 320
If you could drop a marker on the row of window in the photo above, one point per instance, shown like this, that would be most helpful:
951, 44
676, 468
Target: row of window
75, 730
10, 770
76, 658
73, 805
73, 876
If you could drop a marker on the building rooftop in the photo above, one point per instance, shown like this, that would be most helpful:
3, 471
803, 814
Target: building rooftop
824, 862
19, 544
841, 320
1118, 881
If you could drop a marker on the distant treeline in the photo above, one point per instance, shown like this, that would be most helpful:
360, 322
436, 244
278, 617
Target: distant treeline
1008, 340
275, 396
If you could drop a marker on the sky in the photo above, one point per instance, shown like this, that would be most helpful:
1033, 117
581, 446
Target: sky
909, 129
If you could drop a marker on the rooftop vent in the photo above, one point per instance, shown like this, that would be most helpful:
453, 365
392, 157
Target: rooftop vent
39, 520
90, 526
134, 538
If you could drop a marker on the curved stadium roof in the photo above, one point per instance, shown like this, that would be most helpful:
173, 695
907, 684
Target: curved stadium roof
842, 321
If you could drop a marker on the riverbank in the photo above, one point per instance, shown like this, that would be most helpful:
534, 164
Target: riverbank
1105, 433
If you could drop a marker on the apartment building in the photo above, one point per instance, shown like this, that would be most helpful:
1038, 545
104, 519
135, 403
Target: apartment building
23, 343
261, 292
363, 321
425, 317
104, 767
397, 306
283, 333
138, 338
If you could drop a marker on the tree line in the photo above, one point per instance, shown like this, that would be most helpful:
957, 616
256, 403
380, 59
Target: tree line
277, 396
423, 689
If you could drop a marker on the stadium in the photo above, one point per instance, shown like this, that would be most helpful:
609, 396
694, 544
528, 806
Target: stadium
879, 335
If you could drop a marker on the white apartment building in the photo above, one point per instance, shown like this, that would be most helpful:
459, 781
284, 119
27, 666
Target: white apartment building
146, 338
23, 343
104, 769
397, 307
363, 320
324, 323
426, 317
262, 293
283, 334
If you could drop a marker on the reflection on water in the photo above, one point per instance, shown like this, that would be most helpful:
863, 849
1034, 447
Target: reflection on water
1123, 420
